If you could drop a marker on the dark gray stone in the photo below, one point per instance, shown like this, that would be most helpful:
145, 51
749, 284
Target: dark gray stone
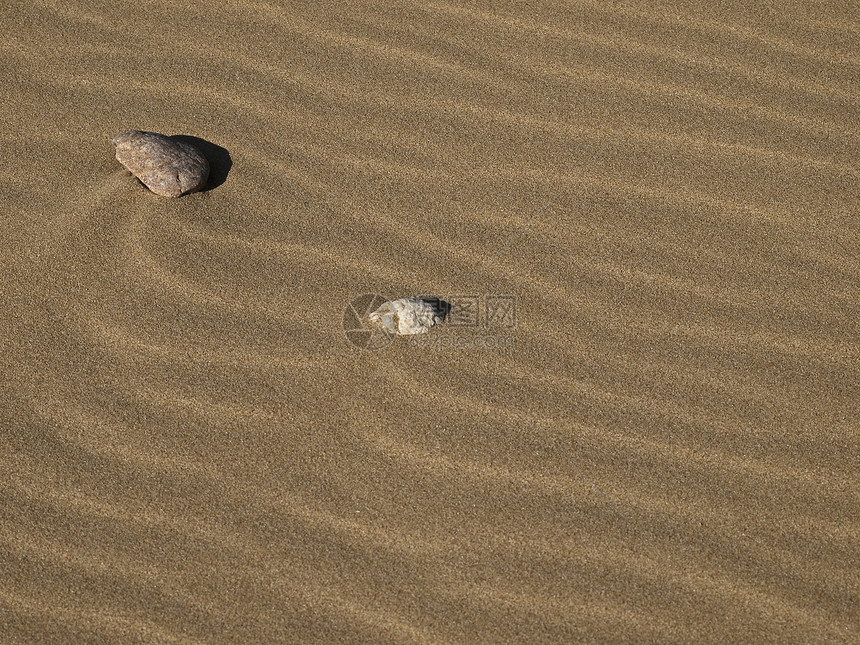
167, 167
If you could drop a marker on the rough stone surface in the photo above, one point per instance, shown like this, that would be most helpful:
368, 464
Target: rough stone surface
166, 166
407, 316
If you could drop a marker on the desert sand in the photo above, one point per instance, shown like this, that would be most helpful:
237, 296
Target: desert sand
654, 440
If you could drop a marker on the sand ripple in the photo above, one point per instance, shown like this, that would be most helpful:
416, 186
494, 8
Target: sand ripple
194, 453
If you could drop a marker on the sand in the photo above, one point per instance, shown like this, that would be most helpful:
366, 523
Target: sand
653, 205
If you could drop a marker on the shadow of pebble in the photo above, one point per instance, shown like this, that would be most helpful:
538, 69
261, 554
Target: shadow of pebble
218, 158
442, 307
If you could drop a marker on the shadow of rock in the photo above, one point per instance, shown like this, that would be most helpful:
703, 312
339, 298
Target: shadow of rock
218, 158
442, 307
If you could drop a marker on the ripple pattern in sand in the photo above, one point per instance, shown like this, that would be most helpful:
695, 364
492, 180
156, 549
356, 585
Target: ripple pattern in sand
193, 452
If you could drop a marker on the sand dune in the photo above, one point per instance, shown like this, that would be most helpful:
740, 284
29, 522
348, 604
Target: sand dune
661, 445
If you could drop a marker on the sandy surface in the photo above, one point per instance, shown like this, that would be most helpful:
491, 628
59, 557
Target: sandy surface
661, 444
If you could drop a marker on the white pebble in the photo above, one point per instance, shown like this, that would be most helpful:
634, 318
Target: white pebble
408, 316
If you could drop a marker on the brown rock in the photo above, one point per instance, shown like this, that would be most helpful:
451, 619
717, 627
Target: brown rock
166, 166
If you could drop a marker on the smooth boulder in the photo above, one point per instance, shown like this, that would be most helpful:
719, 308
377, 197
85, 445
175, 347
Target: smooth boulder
167, 166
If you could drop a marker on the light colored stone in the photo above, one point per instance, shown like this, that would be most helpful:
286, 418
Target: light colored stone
407, 316
166, 166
